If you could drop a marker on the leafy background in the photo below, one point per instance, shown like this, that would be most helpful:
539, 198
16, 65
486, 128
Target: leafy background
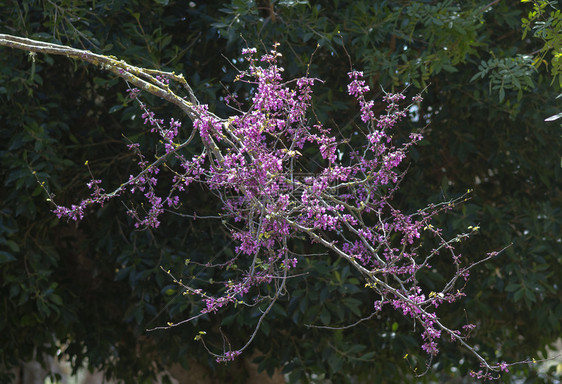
96, 286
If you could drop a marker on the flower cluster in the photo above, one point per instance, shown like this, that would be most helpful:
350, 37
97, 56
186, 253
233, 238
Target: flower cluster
250, 161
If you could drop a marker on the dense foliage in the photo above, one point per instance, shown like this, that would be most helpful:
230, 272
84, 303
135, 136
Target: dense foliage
95, 287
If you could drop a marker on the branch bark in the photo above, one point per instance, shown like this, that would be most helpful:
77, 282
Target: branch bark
142, 78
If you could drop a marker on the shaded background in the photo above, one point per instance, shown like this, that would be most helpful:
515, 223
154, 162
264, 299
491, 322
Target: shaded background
96, 286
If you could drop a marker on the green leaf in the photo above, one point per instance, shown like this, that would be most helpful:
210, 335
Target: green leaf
353, 305
449, 68
115, 108
56, 299
335, 362
325, 317
530, 296
265, 328
14, 247
512, 287
357, 348
368, 356
6, 257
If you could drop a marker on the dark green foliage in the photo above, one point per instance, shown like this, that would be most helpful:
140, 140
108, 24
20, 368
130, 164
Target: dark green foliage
96, 286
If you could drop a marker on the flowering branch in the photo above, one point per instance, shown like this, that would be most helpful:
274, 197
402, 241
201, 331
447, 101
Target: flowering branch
250, 162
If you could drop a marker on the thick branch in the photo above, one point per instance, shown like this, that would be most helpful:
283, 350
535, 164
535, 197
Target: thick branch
141, 78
